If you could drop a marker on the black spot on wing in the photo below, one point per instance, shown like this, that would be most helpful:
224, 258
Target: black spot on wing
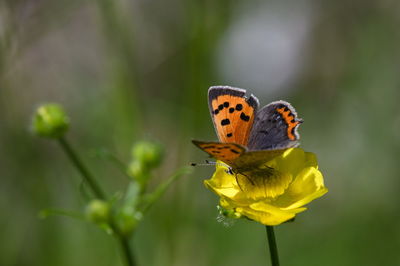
209, 147
221, 106
235, 151
229, 135
226, 104
225, 122
231, 110
239, 107
216, 111
244, 117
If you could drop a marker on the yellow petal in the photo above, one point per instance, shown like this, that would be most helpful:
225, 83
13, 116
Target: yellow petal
292, 161
224, 184
266, 213
307, 186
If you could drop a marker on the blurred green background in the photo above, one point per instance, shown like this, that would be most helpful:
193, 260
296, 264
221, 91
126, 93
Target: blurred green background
132, 70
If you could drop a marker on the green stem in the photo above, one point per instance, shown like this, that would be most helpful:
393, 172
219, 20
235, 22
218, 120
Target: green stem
160, 190
47, 212
87, 176
273, 249
129, 258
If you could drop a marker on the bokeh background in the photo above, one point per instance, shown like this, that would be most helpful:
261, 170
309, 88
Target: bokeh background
132, 70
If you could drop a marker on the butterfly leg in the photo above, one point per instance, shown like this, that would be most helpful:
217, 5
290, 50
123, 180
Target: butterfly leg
231, 172
248, 178
237, 181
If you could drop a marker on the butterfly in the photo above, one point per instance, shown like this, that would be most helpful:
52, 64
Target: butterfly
249, 137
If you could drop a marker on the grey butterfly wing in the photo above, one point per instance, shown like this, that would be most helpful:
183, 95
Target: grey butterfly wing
253, 159
275, 127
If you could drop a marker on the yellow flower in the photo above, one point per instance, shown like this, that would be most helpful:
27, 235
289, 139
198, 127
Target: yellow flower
294, 180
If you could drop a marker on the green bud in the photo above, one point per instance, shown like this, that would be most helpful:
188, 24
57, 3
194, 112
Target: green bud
136, 170
98, 211
139, 173
229, 213
50, 121
149, 154
127, 220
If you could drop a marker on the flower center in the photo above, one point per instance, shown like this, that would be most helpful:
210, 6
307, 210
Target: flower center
263, 182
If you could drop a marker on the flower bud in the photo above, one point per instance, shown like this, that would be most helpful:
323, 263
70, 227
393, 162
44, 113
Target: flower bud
149, 154
127, 220
98, 211
231, 213
136, 170
50, 121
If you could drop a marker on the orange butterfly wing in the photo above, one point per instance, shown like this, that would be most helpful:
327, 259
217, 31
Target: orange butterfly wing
236, 155
226, 152
232, 113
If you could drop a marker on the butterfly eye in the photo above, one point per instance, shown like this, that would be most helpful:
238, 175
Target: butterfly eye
229, 171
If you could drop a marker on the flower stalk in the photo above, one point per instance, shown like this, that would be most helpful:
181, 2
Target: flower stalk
273, 249
125, 247
99, 193
81, 168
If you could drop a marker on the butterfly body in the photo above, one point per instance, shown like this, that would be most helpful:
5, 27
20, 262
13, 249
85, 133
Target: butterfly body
249, 137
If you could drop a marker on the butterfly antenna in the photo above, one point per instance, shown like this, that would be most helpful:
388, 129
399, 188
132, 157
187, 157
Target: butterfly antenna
207, 163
